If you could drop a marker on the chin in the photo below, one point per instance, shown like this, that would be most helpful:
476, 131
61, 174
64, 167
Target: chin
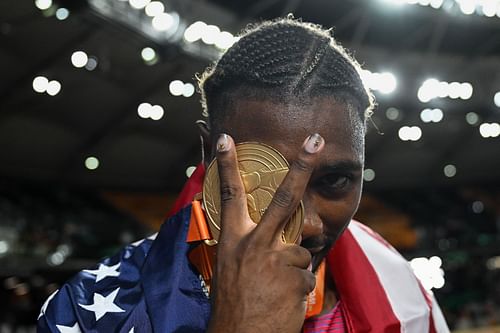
317, 259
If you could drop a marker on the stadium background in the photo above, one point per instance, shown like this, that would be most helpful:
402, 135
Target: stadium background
97, 135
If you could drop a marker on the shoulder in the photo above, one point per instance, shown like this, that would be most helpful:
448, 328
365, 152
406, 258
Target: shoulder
149, 284
104, 294
387, 276
389, 266
371, 240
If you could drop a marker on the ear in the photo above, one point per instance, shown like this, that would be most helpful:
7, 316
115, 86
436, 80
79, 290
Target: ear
206, 141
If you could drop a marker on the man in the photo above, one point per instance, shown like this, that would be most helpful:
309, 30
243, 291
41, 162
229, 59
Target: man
288, 85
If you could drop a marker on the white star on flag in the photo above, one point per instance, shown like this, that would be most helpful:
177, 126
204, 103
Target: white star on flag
131, 330
103, 305
44, 306
69, 329
104, 271
139, 242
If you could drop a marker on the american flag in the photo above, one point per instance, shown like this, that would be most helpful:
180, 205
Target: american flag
151, 286
148, 286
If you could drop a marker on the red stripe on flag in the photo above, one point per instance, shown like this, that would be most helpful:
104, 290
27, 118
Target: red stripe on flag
365, 305
193, 186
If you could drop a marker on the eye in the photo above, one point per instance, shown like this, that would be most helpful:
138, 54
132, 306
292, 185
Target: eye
333, 183
336, 181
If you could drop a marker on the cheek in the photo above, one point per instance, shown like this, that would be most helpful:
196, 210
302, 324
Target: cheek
336, 214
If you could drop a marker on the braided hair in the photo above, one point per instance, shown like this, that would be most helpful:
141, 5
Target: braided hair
283, 60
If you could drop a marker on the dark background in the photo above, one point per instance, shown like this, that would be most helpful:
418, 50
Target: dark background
57, 216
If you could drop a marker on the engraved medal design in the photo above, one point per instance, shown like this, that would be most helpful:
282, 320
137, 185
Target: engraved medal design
262, 169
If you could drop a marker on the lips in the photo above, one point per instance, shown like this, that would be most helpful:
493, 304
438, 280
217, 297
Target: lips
314, 250
313, 244
318, 247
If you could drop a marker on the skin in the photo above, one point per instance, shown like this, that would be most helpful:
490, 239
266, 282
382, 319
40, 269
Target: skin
256, 274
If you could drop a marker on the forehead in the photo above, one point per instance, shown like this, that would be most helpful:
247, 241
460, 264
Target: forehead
285, 126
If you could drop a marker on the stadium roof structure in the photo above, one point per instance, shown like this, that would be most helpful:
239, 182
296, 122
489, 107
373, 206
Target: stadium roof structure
48, 131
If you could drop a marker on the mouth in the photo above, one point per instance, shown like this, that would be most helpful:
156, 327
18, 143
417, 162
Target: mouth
318, 248
317, 254
313, 249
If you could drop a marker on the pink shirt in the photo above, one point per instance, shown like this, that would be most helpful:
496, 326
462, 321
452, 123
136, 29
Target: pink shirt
332, 322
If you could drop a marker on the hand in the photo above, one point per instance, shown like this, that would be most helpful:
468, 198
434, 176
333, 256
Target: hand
260, 283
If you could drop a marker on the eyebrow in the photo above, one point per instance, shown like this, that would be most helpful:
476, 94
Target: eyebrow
340, 166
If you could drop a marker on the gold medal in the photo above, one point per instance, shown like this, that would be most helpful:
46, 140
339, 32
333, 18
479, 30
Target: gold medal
262, 169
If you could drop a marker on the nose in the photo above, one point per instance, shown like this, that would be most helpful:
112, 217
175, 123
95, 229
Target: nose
313, 225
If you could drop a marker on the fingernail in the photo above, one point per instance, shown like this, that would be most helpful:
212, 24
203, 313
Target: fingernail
223, 143
310, 267
313, 143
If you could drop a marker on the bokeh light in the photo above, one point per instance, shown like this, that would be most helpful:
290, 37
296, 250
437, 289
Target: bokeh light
79, 59
62, 13
53, 88
369, 175
40, 84
450, 170
91, 163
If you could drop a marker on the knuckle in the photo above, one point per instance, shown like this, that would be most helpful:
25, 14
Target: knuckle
229, 193
300, 252
284, 198
302, 166
274, 259
304, 254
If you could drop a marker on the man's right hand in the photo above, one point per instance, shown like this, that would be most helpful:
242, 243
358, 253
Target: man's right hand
260, 283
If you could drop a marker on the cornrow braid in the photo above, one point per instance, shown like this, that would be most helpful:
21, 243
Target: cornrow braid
293, 58
314, 58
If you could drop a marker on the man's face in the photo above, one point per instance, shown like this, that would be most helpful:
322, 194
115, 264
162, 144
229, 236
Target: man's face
333, 193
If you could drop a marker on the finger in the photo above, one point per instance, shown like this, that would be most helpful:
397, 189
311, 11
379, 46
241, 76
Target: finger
305, 280
309, 281
295, 255
232, 192
291, 190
